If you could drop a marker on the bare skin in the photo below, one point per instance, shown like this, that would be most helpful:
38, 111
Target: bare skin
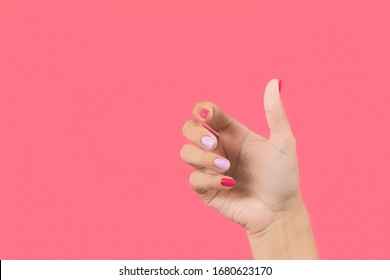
265, 198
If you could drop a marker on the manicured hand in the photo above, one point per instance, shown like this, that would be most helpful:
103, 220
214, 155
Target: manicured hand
250, 179
245, 176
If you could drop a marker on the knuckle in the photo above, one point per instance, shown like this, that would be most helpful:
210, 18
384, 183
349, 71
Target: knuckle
195, 184
183, 151
207, 104
185, 127
201, 104
192, 178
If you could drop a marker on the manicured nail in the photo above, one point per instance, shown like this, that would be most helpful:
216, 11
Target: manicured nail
228, 182
203, 112
222, 163
208, 142
280, 85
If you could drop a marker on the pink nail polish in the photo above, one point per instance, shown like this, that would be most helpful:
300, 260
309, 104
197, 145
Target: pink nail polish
203, 112
208, 142
227, 182
222, 163
280, 85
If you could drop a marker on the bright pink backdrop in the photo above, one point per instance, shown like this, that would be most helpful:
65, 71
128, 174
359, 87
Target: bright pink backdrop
93, 95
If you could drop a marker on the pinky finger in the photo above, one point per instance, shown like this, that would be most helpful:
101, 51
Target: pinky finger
202, 182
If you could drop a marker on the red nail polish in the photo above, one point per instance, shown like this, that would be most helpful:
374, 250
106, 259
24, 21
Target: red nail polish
227, 182
280, 85
203, 112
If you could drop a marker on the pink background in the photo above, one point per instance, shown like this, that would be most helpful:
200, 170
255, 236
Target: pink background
93, 95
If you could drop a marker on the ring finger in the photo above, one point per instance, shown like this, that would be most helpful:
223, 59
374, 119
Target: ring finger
202, 159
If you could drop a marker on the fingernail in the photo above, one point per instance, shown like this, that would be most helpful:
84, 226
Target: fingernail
228, 182
203, 112
222, 163
208, 142
280, 85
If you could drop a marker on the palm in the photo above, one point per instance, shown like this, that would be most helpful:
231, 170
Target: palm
266, 178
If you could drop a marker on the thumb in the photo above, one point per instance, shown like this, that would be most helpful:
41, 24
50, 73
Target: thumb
276, 117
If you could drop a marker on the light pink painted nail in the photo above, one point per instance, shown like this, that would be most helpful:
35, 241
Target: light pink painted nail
208, 142
222, 163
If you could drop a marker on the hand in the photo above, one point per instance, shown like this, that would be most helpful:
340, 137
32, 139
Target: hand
265, 170
252, 180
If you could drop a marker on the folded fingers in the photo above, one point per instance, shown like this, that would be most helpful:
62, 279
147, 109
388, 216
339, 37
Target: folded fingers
202, 182
202, 159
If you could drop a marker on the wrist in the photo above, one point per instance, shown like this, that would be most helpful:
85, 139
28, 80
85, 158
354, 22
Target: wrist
289, 236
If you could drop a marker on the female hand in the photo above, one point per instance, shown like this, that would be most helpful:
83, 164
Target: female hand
250, 179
